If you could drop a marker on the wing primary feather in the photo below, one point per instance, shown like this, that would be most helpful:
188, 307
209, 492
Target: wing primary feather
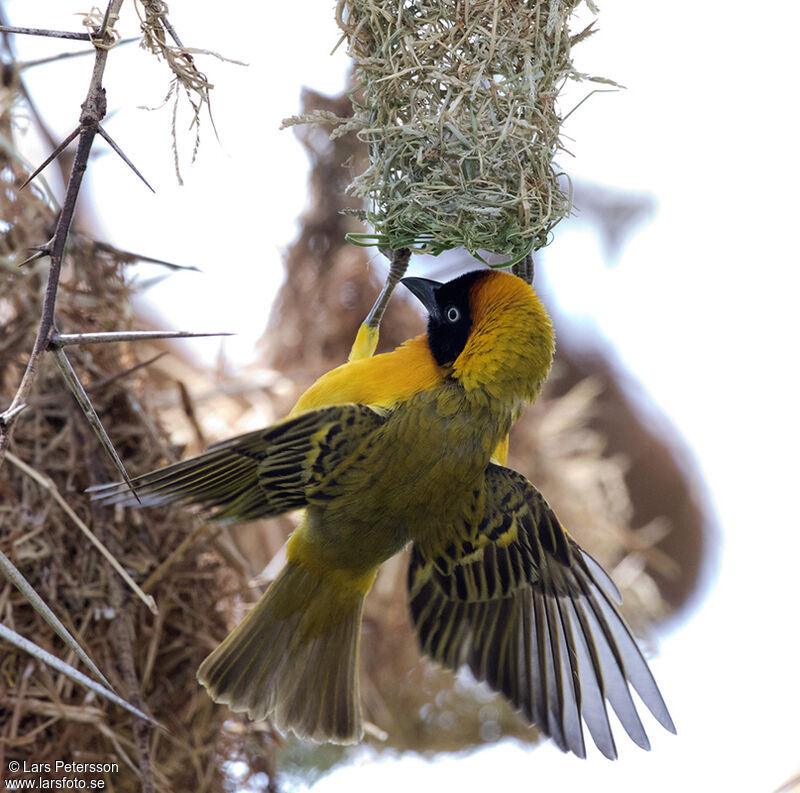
514, 671
209, 483
555, 687
481, 615
593, 708
540, 655
176, 483
488, 565
614, 675
455, 652
483, 640
633, 661
572, 683
498, 670
428, 624
563, 707
526, 654
600, 577
444, 628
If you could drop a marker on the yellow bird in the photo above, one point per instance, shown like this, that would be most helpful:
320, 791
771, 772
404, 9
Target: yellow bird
405, 447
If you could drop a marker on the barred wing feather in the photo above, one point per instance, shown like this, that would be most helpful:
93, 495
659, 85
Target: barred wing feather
260, 474
534, 616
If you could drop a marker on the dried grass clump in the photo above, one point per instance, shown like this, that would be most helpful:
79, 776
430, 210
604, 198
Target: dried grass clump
460, 118
149, 659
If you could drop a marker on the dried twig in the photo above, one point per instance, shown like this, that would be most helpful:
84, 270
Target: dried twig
93, 110
63, 56
129, 257
59, 34
65, 339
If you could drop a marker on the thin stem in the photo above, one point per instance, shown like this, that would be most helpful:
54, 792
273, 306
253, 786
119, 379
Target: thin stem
129, 256
58, 34
67, 55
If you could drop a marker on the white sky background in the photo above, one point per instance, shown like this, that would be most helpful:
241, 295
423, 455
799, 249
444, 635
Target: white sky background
701, 306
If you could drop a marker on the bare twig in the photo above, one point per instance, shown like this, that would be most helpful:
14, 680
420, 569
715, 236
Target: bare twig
62, 56
191, 414
38, 254
65, 339
201, 529
59, 34
93, 110
11, 415
130, 256
107, 381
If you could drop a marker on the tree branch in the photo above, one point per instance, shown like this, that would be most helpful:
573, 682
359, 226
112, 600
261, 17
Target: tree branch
93, 110
59, 34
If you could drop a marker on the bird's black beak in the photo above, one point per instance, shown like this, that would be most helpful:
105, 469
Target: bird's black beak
425, 291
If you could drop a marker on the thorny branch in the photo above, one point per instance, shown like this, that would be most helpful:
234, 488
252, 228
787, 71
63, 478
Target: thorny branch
93, 111
59, 34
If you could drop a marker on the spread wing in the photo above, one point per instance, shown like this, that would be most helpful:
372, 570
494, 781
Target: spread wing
534, 616
259, 474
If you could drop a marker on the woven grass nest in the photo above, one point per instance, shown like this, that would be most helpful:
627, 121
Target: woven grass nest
456, 102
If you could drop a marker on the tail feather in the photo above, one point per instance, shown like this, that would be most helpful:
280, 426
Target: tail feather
294, 659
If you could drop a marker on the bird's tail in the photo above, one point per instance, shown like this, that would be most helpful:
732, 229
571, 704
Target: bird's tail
294, 658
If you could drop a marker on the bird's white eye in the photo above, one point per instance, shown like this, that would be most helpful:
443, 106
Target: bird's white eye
452, 314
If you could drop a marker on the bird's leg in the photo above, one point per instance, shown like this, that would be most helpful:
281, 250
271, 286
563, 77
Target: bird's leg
367, 337
524, 269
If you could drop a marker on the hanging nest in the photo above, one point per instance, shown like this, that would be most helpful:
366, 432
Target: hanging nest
457, 106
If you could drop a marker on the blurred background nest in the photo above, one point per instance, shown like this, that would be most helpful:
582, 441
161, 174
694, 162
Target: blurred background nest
616, 477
